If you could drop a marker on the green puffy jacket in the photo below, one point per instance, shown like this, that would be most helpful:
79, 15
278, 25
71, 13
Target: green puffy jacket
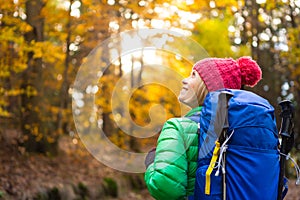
172, 175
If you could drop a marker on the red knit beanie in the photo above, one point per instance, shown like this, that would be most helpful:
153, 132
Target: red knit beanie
220, 73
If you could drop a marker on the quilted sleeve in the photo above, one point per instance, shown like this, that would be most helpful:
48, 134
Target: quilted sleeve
166, 178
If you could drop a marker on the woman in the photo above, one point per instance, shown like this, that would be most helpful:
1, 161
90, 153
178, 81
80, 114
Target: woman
171, 167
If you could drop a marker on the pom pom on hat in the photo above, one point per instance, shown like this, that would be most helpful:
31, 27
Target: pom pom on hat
220, 73
250, 71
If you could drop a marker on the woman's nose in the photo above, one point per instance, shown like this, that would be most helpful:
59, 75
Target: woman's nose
184, 81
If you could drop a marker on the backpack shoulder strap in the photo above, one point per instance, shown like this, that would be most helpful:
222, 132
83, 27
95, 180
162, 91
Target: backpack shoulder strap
221, 126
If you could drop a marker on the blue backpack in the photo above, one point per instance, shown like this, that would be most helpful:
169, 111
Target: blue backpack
244, 162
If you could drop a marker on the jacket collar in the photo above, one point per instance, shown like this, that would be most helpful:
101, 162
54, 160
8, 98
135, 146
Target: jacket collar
194, 111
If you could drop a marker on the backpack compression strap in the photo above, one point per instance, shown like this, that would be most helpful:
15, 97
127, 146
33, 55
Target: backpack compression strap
211, 167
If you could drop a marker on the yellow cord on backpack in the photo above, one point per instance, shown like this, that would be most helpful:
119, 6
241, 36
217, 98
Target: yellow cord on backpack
211, 167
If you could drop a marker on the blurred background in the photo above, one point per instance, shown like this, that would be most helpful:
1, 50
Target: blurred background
44, 43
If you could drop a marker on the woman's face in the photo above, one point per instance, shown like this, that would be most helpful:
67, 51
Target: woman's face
193, 90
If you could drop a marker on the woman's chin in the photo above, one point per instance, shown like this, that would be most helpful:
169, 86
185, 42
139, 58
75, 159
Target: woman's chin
181, 98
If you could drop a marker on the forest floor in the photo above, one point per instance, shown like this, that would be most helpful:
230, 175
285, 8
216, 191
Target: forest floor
73, 174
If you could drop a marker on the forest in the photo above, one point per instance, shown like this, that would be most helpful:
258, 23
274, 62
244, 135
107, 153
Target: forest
86, 85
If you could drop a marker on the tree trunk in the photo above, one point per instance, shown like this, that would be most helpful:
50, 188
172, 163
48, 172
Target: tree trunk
255, 28
64, 100
34, 139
